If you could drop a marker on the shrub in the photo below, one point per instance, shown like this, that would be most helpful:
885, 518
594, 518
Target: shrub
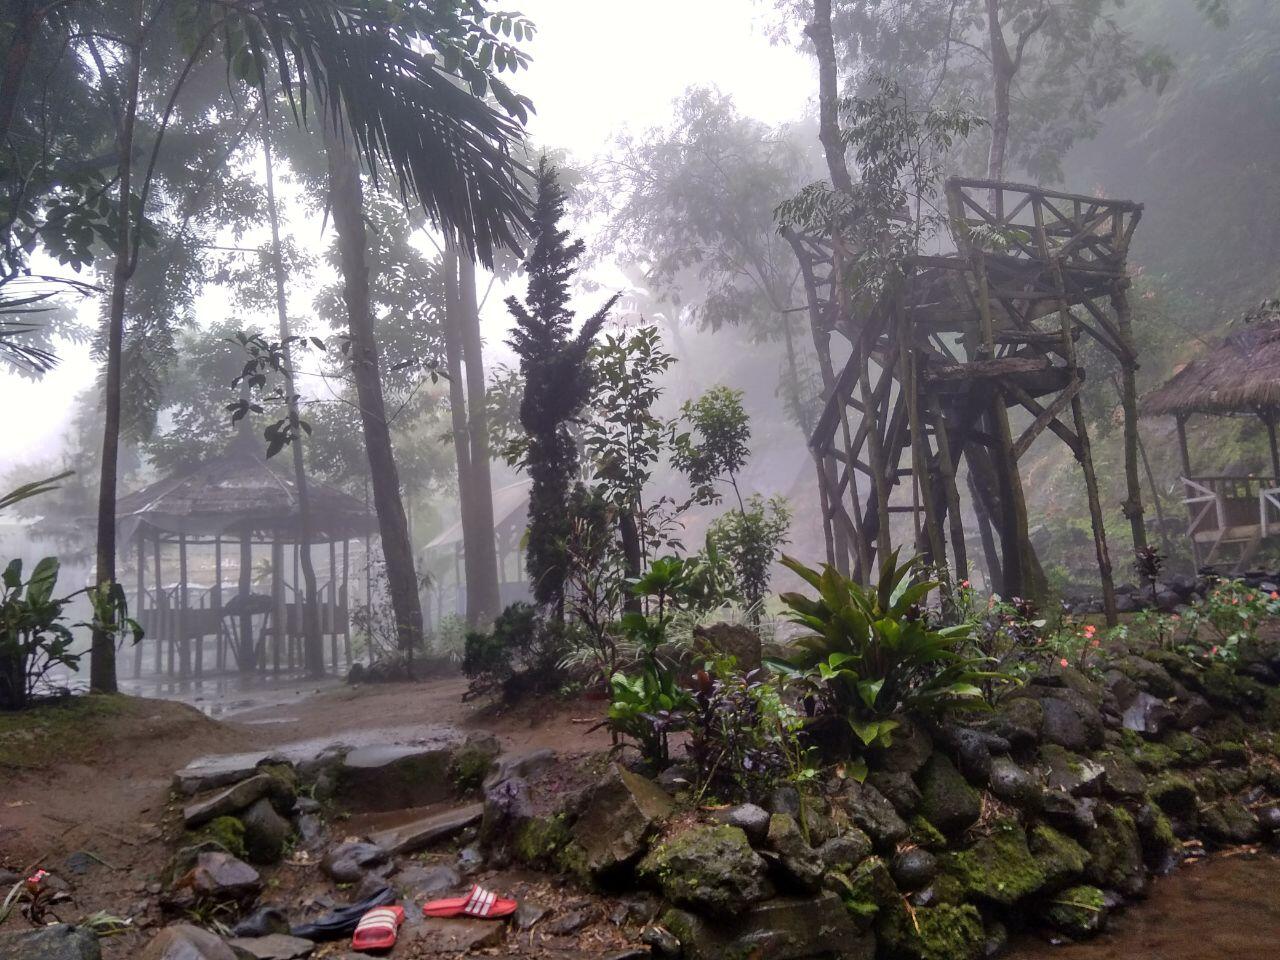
873, 653
34, 639
519, 656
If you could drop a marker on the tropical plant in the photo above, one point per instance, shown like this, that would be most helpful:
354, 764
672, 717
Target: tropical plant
872, 654
744, 738
520, 655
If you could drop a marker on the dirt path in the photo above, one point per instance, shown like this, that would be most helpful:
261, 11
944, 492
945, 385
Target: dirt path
85, 786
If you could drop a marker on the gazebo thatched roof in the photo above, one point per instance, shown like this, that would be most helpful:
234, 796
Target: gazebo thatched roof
240, 490
1239, 375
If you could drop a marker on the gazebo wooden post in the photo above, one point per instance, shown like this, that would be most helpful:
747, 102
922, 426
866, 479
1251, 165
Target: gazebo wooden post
277, 596
138, 596
220, 647
333, 605
1268, 417
158, 612
184, 647
1181, 422
245, 653
346, 602
296, 655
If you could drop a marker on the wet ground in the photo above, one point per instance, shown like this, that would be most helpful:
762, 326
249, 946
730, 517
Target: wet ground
1223, 908
228, 695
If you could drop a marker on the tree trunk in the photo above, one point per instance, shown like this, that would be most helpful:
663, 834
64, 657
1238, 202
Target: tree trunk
453, 351
15, 61
819, 31
313, 643
1002, 71
102, 657
346, 198
484, 600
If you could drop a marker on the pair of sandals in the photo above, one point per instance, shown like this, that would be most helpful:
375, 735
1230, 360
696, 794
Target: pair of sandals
379, 927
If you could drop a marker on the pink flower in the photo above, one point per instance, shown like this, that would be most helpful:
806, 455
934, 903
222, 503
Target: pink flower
1213, 652
1095, 642
1090, 630
1176, 616
1275, 595
1062, 662
965, 585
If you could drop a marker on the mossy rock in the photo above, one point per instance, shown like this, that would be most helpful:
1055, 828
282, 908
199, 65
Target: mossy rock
946, 799
942, 932
1230, 821
1060, 857
1188, 751
539, 841
1124, 779
1148, 755
471, 763
709, 869
1079, 912
1222, 686
925, 834
999, 868
1160, 845
1230, 752
870, 889
1174, 794
1116, 853
227, 833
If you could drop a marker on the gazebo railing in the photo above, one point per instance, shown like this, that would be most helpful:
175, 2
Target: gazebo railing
1230, 510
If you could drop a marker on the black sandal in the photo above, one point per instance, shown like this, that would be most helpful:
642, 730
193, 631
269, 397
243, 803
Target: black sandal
342, 922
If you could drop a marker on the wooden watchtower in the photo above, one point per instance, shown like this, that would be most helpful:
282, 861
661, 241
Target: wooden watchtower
939, 361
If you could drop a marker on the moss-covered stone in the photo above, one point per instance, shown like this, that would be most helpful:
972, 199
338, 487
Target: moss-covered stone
1222, 686
1229, 752
711, 869
925, 834
1148, 755
1188, 751
1060, 858
1160, 845
1123, 778
1230, 821
946, 799
1174, 794
999, 868
942, 932
227, 833
1079, 912
870, 889
1115, 852
470, 765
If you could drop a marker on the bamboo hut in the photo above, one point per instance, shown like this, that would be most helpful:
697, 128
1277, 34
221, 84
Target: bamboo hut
1239, 376
237, 503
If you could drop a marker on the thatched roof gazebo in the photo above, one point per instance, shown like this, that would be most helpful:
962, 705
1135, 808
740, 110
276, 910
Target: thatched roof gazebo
237, 498
1239, 376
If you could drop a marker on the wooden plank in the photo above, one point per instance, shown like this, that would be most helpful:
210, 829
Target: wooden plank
986, 369
1046, 416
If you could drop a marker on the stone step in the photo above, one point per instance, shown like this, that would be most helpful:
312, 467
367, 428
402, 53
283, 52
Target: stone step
421, 834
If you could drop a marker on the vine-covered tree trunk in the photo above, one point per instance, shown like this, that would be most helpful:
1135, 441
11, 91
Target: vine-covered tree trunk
346, 198
453, 350
313, 642
484, 601
102, 655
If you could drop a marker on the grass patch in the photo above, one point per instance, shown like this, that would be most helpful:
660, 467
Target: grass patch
68, 728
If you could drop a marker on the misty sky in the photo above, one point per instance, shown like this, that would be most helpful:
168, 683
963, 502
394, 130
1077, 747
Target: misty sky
598, 64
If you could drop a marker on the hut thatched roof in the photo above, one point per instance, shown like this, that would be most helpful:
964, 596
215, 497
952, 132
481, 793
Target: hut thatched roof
510, 509
1239, 375
240, 490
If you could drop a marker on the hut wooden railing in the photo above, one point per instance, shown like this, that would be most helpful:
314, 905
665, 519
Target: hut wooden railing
1230, 510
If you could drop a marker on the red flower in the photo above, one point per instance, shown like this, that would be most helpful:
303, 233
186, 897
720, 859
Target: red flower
1062, 662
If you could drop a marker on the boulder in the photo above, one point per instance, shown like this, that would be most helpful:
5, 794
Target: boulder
1019, 721
898, 788
1160, 845
417, 882
780, 929
1012, 783
266, 833
1230, 821
750, 819
1123, 778
1174, 794
1148, 715
842, 853
908, 751
709, 869
1071, 721
1069, 772
57, 942
947, 801
913, 868
221, 878
421, 834
974, 750
618, 818
873, 814
943, 931
523, 766
799, 864
1079, 912
182, 941
1065, 812
1061, 859
349, 862
1115, 852
394, 777
275, 946
999, 868
716, 640
436, 935
230, 801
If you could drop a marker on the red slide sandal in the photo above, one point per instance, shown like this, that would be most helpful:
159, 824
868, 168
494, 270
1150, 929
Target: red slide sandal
377, 929
480, 902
